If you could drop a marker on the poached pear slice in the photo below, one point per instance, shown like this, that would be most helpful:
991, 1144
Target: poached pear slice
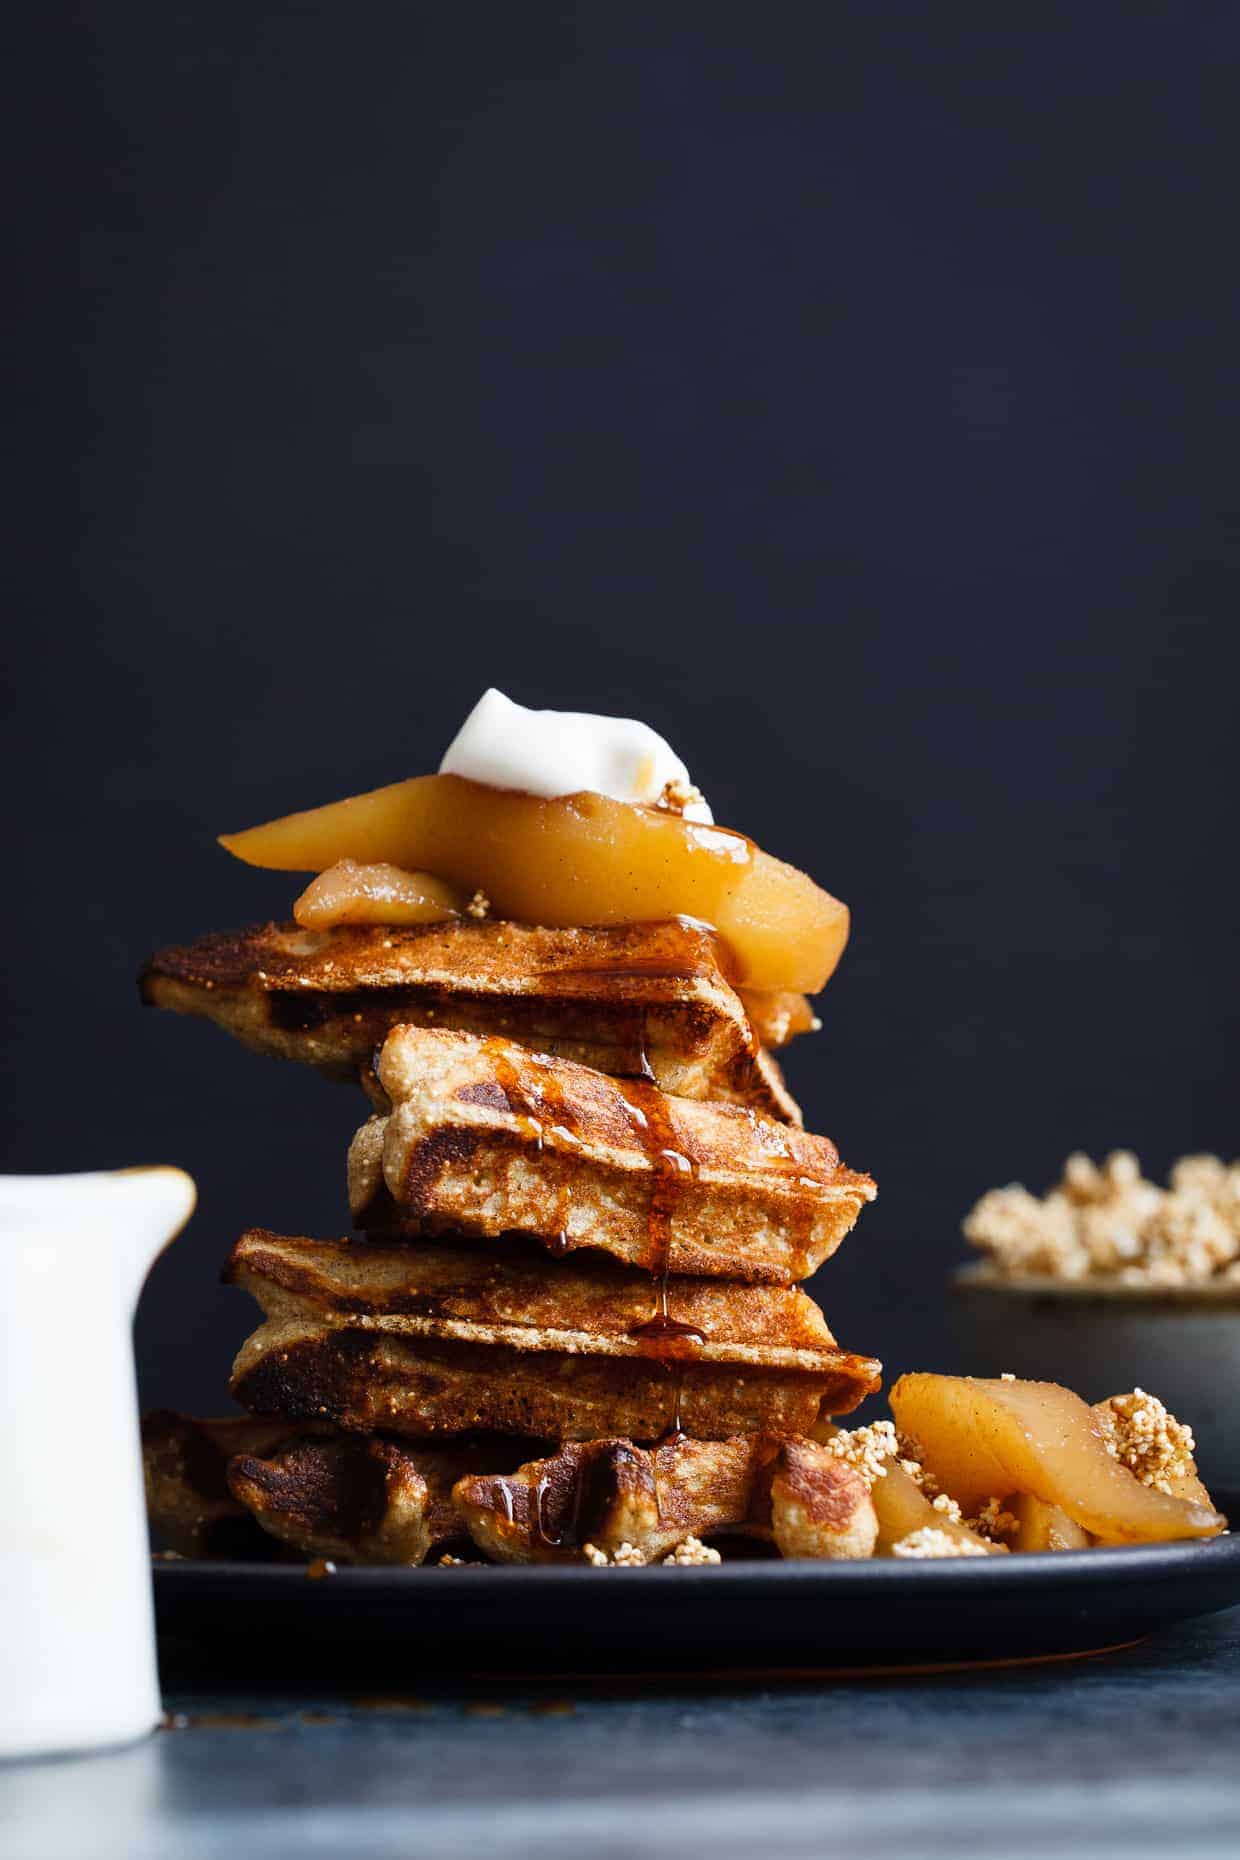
581, 859
349, 893
902, 1508
981, 1439
1043, 1527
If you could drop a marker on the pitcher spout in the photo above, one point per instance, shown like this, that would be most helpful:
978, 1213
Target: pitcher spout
153, 1205
134, 1213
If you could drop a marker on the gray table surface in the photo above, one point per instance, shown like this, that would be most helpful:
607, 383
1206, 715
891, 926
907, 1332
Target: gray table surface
1136, 1753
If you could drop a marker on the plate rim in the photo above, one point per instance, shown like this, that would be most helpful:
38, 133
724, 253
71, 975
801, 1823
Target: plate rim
1119, 1563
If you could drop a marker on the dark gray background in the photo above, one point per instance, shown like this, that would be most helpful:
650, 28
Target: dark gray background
850, 391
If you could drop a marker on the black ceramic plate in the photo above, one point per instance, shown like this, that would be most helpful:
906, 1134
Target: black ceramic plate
761, 1615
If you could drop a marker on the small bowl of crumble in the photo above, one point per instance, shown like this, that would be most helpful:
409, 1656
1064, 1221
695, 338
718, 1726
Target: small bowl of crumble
1110, 1279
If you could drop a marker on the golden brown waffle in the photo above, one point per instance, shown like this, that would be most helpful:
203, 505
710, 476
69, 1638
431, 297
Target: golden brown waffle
184, 1463
486, 1137
238, 1487
372, 1498
512, 1294
642, 1000
368, 1378
609, 1493
361, 1498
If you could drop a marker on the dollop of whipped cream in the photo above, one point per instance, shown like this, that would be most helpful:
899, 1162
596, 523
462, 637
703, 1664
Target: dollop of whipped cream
558, 752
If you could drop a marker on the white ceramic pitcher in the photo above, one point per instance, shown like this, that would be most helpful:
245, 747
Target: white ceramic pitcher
77, 1630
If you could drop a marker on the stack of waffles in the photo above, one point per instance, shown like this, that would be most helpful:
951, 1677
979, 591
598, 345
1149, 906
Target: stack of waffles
569, 1323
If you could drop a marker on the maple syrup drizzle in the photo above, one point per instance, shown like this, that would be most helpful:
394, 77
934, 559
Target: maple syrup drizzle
671, 1172
536, 1099
673, 1433
570, 1532
639, 1055
513, 1081
661, 1325
561, 1242
540, 1524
